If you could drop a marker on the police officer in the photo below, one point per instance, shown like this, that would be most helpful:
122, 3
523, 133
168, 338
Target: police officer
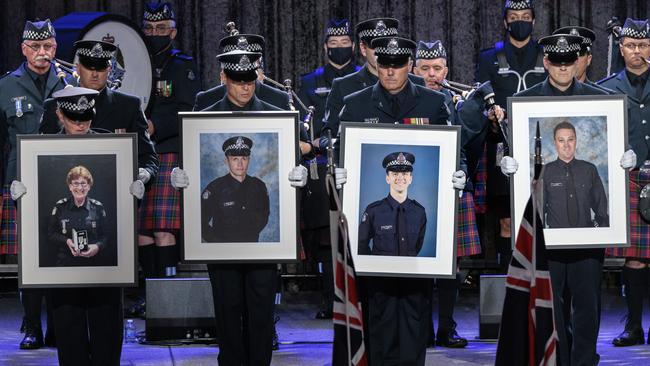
176, 83
431, 64
575, 273
396, 99
366, 31
235, 207
314, 89
512, 65
22, 93
250, 43
633, 81
572, 187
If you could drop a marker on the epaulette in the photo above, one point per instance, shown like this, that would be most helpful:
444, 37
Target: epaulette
606, 78
374, 204
61, 201
5, 74
180, 55
417, 204
95, 202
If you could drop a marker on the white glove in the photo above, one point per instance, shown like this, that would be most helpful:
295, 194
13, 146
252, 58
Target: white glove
340, 177
509, 165
459, 179
298, 176
179, 178
628, 160
17, 190
143, 175
137, 189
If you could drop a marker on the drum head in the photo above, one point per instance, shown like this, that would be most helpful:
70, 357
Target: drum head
132, 62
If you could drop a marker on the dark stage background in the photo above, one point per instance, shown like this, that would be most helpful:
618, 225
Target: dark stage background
293, 28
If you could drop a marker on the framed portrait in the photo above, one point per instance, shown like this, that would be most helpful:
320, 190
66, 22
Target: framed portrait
582, 188
399, 199
76, 224
239, 206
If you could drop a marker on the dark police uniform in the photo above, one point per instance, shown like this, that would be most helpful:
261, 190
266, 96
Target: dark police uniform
587, 194
263, 92
234, 211
380, 223
89, 319
576, 271
243, 293
89, 217
637, 89
22, 93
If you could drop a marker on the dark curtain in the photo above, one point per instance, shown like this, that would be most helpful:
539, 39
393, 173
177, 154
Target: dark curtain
294, 28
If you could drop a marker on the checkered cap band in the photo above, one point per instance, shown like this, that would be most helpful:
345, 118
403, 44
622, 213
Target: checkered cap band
244, 64
81, 105
430, 54
238, 145
400, 160
518, 5
159, 13
397, 51
374, 33
337, 31
250, 47
566, 48
635, 33
33, 33
96, 52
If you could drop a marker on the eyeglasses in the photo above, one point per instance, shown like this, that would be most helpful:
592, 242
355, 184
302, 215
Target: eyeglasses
79, 184
47, 47
632, 46
159, 29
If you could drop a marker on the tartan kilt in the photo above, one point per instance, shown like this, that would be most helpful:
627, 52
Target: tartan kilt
639, 229
8, 243
467, 239
160, 209
480, 184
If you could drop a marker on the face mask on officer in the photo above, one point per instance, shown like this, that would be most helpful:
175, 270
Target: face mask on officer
520, 29
158, 43
339, 55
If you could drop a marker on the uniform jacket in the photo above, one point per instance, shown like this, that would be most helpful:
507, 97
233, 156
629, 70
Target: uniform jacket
316, 86
379, 224
115, 112
638, 114
342, 87
180, 70
264, 92
19, 85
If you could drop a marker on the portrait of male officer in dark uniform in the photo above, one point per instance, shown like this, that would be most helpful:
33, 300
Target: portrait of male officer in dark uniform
235, 207
572, 187
396, 224
77, 223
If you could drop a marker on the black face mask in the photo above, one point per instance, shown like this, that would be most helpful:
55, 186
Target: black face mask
520, 29
158, 43
339, 55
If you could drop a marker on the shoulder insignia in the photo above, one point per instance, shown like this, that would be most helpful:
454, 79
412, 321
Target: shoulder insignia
206, 194
5, 74
606, 78
364, 217
95, 202
54, 211
417, 204
61, 201
190, 74
182, 56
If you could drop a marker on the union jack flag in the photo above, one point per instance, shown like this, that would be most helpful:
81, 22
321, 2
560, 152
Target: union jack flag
348, 348
528, 335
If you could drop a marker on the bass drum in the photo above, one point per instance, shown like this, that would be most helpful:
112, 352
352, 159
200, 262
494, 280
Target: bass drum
132, 70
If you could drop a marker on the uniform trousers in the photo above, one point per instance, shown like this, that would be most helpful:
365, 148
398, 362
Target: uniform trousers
576, 302
244, 296
89, 325
399, 309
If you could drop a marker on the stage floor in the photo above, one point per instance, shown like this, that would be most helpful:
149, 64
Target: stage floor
306, 342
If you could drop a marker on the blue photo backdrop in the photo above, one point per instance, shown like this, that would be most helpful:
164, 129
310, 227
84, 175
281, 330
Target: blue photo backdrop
263, 165
423, 189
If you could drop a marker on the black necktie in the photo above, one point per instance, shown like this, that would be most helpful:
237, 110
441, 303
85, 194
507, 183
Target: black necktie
40, 82
401, 231
394, 106
572, 200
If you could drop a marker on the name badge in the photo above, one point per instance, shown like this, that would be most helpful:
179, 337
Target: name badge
556, 184
371, 120
386, 227
227, 204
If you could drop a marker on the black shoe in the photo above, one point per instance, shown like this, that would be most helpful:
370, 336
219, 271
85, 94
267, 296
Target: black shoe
276, 341
629, 338
137, 310
324, 314
450, 339
50, 339
33, 339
